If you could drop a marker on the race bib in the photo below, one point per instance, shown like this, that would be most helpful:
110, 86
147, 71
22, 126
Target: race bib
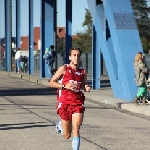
78, 85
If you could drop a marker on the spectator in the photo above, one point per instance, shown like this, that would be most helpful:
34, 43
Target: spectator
53, 55
17, 59
50, 55
140, 78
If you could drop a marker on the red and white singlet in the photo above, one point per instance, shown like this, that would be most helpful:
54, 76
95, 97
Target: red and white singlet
67, 96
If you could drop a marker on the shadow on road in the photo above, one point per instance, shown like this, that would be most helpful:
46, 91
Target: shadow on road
24, 125
28, 92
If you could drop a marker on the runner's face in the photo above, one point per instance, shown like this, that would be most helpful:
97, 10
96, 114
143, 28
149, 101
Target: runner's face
75, 57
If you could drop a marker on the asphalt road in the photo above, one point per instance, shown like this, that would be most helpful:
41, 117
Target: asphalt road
28, 117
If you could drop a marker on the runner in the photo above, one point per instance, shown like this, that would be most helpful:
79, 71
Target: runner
70, 79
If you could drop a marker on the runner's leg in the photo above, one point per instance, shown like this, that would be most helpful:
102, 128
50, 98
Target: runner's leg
77, 119
66, 126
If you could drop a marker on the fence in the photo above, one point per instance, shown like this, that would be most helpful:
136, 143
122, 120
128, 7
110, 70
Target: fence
86, 59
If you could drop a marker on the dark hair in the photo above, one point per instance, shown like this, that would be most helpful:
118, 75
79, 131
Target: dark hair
18, 48
75, 49
52, 46
140, 53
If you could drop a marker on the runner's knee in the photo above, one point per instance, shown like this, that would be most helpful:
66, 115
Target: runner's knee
67, 135
75, 130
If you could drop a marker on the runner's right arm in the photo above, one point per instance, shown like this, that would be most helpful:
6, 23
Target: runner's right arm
54, 80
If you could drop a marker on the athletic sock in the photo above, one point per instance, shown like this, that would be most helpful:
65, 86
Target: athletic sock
76, 143
60, 126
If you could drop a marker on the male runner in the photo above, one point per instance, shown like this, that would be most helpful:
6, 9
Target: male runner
69, 79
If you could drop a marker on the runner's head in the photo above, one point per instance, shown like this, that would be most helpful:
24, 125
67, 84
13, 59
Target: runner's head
74, 56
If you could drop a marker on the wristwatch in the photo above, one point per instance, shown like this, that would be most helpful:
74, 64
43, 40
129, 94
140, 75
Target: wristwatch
63, 86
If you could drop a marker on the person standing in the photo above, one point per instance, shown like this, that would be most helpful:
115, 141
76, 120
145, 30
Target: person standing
53, 56
141, 71
50, 58
69, 79
17, 59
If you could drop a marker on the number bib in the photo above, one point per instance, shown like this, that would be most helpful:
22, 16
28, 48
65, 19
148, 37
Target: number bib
78, 85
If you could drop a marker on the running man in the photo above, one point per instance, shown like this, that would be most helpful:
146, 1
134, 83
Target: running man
70, 79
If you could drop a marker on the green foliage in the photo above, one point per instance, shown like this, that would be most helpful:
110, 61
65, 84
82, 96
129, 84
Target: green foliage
38, 52
141, 12
88, 21
84, 41
145, 44
60, 45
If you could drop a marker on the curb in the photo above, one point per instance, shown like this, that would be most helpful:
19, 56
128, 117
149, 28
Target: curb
118, 103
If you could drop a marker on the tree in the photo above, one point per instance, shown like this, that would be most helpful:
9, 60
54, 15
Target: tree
60, 44
88, 21
141, 11
84, 39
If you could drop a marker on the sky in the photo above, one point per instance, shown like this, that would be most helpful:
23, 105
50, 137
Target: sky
78, 15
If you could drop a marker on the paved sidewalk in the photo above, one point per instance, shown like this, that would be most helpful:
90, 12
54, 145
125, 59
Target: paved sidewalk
103, 95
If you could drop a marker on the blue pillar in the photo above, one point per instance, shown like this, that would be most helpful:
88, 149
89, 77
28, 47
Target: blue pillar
8, 25
99, 22
118, 48
68, 28
46, 33
0, 53
18, 21
31, 39
1, 29
96, 61
55, 30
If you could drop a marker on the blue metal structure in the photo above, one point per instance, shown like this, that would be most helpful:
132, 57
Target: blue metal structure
46, 33
119, 47
0, 56
68, 28
8, 33
96, 61
31, 38
115, 35
55, 30
18, 18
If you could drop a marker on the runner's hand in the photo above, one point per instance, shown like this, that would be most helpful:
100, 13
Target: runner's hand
87, 88
70, 86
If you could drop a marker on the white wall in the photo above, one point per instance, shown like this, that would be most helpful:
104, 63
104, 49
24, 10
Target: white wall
26, 52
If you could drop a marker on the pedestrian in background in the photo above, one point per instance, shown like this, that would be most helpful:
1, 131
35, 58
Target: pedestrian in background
141, 71
50, 55
17, 59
